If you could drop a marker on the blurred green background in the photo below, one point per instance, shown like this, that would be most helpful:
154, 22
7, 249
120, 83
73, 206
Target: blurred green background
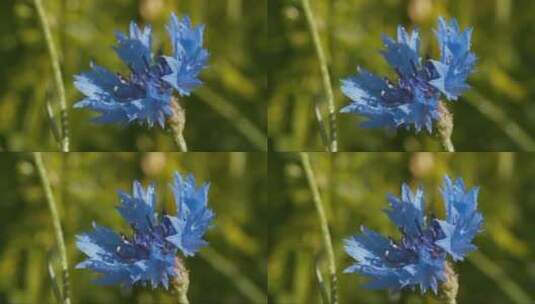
498, 114
354, 187
227, 113
232, 269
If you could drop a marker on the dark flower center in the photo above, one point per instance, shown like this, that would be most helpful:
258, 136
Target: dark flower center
139, 245
416, 82
407, 249
137, 84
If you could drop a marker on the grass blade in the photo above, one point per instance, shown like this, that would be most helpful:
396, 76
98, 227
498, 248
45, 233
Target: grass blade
326, 78
56, 223
327, 242
64, 119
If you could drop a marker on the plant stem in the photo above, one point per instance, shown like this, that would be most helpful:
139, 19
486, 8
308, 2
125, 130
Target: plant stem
180, 283
450, 287
182, 296
177, 121
327, 242
333, 147
64, 118
57, 225
445, 127
321, 284
321, 126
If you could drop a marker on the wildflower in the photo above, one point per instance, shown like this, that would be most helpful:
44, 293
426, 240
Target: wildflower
149, 253
419, 257
144, 96
414, 99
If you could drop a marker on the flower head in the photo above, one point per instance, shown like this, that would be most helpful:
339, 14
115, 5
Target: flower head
419, 257
412, 100
144, 95
148, 254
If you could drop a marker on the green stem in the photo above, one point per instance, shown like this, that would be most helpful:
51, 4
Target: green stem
450, 287
333, 147
182, 296
181, 282
57, 225
323, 132
64, 118
181, 142
445, 127
327, 242
177, 121
321, 284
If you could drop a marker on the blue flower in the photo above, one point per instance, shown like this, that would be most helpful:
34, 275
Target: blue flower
144, 96
149, 254
419, 257
413, 100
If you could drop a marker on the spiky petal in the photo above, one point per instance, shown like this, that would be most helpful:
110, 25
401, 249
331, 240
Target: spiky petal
456, 60
189, 56
148, 256
463, 221
408, 211
418, 259
193, 217
144, 95
412, 100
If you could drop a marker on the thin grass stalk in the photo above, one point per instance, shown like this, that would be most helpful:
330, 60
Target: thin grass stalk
53, 281
326, 78
327, 242
54, 58
57, 225
56, 131
321, 126
321, 284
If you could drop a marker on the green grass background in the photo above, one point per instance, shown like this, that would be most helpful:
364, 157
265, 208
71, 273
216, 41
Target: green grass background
354, 186
84, 31
498, 114
85, 186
